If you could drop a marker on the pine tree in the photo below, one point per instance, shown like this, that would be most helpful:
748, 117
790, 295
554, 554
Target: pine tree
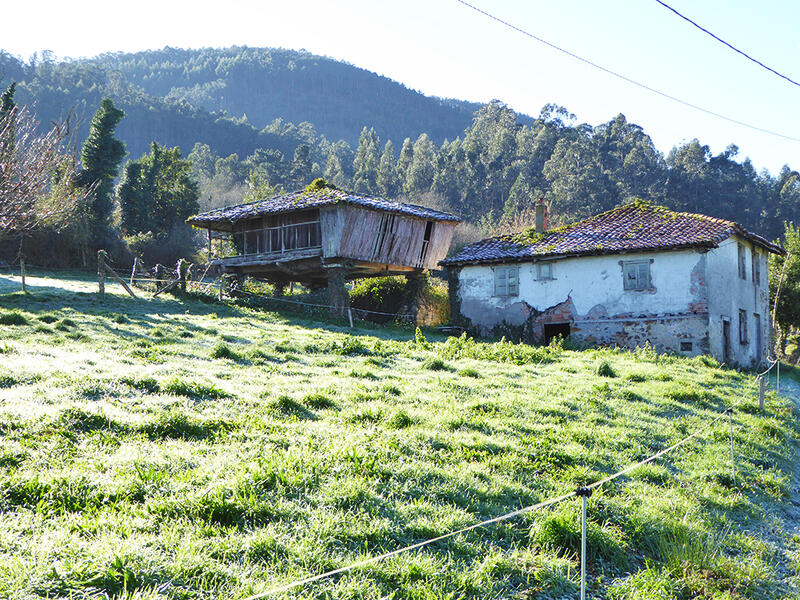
365, 163
404, 161
388, 182
339, 165
300, 170
101, 156
419, 177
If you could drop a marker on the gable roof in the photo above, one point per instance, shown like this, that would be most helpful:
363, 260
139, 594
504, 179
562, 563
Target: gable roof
635, 227
223, 218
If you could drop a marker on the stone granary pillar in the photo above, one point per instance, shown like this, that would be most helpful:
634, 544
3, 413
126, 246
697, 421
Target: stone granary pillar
415, 284
338, 298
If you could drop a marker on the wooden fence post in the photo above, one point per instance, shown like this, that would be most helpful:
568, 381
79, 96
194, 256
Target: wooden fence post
101, 274
22, 274
133, 269
180, 272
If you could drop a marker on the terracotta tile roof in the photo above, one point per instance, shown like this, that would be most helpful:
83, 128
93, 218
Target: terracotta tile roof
634, 227
302, 200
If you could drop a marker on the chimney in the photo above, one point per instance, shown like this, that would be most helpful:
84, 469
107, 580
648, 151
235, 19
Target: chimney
541, 216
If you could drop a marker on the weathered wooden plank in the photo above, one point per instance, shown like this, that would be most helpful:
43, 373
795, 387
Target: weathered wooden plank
441, 236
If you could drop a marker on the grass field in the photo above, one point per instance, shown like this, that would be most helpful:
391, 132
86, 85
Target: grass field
159, 448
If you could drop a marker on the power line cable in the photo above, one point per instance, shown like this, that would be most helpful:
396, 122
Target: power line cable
624, 77
731, 46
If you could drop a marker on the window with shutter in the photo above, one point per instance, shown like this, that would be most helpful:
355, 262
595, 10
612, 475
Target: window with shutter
544, 271
506, 281
636, 274
743, 327
742, 262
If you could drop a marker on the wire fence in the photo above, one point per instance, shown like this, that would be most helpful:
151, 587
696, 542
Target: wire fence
583, 492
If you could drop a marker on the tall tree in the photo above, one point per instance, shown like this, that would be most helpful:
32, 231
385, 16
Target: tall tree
157, 193
339, 166
419, 177
404, 160
365, 163
101, 156
300, 169
388, 182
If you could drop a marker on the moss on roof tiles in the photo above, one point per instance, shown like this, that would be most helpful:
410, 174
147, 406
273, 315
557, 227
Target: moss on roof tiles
637, 226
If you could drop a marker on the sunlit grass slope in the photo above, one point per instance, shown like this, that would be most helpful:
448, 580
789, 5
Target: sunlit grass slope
187, 449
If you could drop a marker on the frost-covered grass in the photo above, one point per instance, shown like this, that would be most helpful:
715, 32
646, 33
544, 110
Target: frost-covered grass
187, 449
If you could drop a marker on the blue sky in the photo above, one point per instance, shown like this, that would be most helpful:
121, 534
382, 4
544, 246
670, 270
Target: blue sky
441, 47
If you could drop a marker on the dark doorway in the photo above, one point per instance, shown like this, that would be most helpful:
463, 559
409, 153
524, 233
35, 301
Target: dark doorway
552, 330
726, 341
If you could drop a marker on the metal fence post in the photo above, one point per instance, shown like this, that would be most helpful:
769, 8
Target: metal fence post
778, 381
733, 456
761, 391
583, 493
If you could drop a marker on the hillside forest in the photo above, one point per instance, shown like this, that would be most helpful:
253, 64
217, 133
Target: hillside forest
178, 131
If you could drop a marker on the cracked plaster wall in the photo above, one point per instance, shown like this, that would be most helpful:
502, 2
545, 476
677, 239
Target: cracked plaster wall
588, 292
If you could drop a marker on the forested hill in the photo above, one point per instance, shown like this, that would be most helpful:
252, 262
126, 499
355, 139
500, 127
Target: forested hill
226, 97
296, 86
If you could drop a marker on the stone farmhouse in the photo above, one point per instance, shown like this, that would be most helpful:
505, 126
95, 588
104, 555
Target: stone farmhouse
684, 283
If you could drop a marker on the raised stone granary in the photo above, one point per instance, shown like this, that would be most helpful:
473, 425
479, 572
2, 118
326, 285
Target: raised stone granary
324, 236
638, 274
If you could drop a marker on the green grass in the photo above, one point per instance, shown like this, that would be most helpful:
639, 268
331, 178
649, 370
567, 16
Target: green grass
195, 450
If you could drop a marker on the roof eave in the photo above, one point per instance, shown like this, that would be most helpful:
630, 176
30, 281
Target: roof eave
448, 262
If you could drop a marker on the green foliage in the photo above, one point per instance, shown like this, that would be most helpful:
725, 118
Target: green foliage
193, 389
604, 369
785, 271
13, 318
382, 294
502, 351
157, 194
101, 156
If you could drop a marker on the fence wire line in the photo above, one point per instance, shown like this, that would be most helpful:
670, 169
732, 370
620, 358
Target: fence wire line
355, 310
510, 515
374, 559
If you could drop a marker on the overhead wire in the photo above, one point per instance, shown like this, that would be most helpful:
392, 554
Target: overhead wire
625, 77
731, 46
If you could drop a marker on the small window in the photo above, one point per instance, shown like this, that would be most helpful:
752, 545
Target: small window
742, 263
756, 267
742, 326
544, 271
686, 346
636, 275
506, 281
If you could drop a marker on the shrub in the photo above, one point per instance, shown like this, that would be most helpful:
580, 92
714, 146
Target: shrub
318, 401
222, 350
349, 346
287, 405
146, 384
381, 294
400, 420
13, 318
436, 364
469, 372
501, 352
604, 369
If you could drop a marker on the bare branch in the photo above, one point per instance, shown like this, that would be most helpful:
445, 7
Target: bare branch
37, 175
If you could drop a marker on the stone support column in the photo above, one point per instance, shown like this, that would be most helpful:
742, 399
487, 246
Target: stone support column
338, 297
